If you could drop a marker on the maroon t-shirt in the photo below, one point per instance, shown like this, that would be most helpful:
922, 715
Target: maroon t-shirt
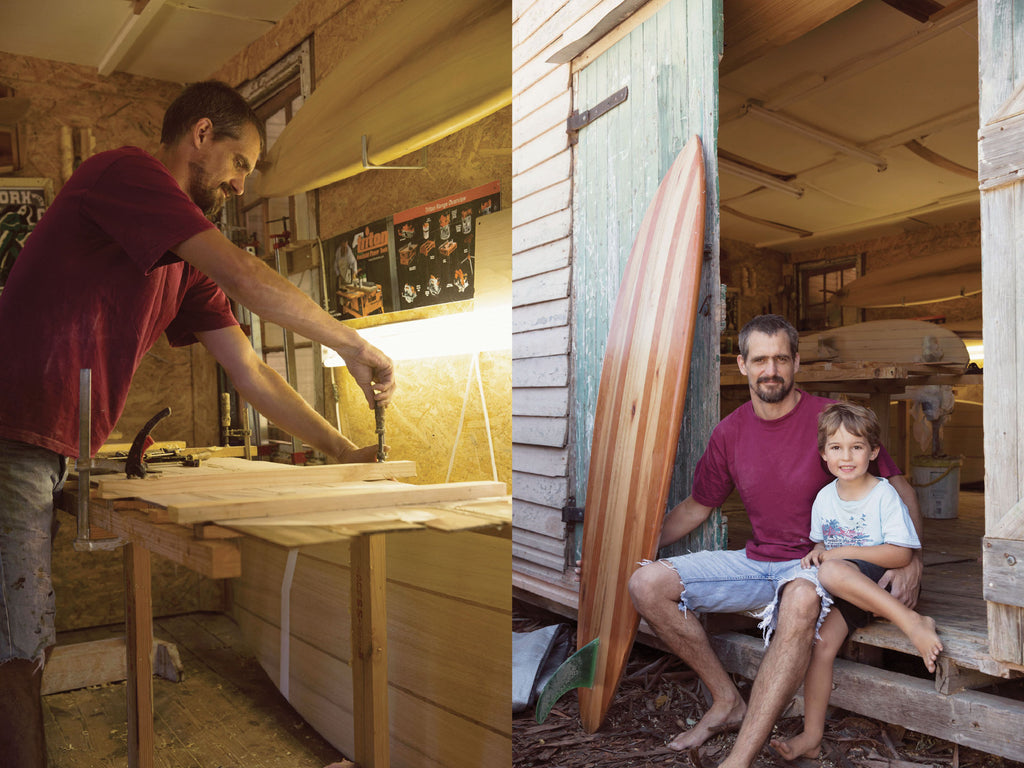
94, 287
778, 472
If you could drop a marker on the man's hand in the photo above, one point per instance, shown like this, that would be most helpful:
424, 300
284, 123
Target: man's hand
904, 583
373, 372
367, 455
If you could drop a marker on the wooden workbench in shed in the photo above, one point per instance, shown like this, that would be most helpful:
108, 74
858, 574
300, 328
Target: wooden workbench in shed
204, 517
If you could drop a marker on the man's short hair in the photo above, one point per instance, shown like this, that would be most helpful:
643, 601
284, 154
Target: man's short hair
769, 325
223, 105
855, 419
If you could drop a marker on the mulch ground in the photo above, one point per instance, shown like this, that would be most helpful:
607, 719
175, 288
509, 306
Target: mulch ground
659, 697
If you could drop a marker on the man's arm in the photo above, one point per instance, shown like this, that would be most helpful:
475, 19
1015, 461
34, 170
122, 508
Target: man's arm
249, 281
272, 396
905, 582
683, 518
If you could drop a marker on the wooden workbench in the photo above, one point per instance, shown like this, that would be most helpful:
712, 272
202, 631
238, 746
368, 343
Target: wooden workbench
199, 517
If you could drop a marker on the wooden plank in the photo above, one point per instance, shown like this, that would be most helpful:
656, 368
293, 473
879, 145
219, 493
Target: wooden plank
139, 647
283, 500
217, 559
370, 651
98, 662
231, 475
1003, 562
978, 720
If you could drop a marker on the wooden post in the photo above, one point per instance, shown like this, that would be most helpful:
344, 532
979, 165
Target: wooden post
369, 651
139, 640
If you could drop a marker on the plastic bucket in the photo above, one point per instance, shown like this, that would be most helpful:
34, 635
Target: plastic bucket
936, 479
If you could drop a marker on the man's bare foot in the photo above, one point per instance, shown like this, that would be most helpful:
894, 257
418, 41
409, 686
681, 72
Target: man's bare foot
715, 720
801, 745
926, 640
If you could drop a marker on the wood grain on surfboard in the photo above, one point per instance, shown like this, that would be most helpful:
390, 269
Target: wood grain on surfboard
429, 69
889, 341
637, 418
922, 280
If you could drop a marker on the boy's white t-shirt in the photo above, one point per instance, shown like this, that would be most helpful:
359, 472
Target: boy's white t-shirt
881, 517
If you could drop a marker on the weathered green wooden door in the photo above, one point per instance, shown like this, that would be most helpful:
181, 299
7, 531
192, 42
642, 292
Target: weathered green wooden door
669, 64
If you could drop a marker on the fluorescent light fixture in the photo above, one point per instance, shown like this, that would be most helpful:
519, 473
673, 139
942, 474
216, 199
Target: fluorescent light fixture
976, 351
460, 333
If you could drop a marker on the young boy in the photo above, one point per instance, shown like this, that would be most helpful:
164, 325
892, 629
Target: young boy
862, 529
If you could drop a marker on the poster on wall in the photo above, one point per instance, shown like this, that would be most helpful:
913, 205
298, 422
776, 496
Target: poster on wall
359, 271
435, 246
22, 204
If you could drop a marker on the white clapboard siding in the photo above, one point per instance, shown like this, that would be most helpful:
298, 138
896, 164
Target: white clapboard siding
541, 271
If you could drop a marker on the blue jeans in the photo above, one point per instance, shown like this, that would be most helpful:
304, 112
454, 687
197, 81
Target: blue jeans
729, 582
30, 478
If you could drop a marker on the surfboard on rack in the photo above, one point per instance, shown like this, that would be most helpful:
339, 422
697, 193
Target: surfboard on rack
923, 280
637, 419
886, 341
430, 69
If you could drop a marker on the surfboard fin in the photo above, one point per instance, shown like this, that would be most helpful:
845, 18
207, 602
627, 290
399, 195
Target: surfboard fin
575, 672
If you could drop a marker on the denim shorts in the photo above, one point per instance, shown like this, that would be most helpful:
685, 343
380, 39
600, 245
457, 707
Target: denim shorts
727, 581
30, 478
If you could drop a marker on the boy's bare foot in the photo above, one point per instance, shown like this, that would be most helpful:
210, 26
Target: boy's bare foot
801, 745
714, 721
926, 640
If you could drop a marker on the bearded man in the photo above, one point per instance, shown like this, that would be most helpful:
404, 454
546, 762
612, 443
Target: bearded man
127, 252
767, 449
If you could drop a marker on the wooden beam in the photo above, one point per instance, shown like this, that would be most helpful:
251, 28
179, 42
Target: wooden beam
133, 28
977, 720
369, 651
756, 27
918, 10
139, 645
936, 159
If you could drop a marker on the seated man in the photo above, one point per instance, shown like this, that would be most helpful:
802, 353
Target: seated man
767, 449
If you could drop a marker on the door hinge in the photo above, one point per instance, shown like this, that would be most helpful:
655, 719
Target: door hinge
571, 513
578, 120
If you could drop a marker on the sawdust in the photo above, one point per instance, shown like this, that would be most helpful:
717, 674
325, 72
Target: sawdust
659, 697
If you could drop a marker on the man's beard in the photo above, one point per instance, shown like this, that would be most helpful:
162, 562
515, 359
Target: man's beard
772, 396
209, 199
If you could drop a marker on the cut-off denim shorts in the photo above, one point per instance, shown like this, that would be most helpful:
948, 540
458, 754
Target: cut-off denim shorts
730, 582
30, 478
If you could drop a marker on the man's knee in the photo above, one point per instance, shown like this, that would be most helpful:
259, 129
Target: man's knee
800, 602
652, 583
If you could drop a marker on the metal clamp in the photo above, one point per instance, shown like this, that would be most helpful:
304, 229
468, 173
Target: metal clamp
83, 466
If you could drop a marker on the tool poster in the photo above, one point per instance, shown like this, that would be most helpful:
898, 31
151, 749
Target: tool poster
435, 246
359, 271
22, 204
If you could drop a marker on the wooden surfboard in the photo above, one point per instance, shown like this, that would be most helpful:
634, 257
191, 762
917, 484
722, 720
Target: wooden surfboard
886, 341
637, 420
430, 69
924, 280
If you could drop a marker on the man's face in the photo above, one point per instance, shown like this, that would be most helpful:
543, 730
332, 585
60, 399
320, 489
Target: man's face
769, 366
219, 167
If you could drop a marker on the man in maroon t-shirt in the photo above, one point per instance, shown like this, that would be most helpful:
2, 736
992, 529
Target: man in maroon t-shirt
768, 451
126, 253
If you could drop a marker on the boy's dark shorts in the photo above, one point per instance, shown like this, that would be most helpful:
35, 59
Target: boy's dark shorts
857, 617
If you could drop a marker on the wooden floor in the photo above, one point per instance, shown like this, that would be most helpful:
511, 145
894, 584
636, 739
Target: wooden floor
225, 713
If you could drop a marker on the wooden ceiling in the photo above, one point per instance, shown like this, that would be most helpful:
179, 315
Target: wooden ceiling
163, 39
842, 120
